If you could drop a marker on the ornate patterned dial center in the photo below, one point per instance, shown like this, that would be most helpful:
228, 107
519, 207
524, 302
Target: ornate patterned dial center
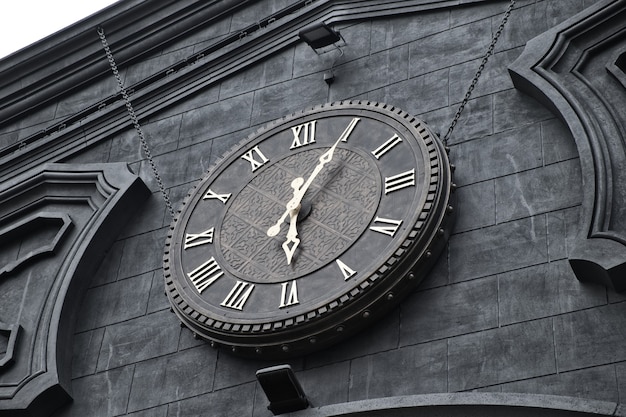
343, 201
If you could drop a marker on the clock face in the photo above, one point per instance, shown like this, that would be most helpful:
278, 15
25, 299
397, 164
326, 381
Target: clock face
309, 229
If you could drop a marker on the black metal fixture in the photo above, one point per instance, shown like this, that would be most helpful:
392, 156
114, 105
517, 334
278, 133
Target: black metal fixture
319, 35
282, 389
322, 38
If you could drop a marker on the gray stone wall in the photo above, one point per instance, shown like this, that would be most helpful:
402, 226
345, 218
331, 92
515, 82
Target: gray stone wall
501, 311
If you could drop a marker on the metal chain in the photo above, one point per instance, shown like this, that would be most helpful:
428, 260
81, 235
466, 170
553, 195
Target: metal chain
135, 121
481, 67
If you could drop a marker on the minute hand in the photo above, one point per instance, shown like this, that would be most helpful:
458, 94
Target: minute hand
300, 187
325, 158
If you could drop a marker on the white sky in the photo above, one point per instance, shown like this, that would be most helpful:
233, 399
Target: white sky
23, 22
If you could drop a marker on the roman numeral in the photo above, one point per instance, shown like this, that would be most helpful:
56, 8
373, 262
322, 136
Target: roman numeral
387, 227
387, 146
213, 195
205, 274
345, 270
192, 239
396, 182
255, 157
238, 296
307, 130
288, 294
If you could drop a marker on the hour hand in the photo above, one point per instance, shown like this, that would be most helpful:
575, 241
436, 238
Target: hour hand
292, 235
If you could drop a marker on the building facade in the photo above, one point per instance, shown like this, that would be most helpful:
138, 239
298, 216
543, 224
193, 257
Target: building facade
522, 310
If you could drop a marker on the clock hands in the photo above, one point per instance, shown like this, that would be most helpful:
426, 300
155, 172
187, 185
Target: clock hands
300, 187
292, 236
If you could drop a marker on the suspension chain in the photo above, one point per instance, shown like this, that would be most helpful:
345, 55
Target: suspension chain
135, 121
481, 67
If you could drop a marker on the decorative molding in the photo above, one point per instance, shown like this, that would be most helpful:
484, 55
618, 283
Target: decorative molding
63, 218
470, 404
174, 84
576, 70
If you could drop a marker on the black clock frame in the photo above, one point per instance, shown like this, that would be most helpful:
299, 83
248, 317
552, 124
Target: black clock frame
341, 315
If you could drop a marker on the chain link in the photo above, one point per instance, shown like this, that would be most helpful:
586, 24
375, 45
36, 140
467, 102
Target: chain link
479, 72
135, 121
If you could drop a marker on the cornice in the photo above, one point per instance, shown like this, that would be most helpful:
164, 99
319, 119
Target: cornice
176, 83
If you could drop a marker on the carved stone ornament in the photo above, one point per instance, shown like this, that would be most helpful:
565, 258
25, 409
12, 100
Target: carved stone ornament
56, 223
578, 71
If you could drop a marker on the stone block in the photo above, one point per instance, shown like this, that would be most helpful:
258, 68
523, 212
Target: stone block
85, 352
142, 253
476, 206
416, 95
544, 290
389, 33
115, 302
563, 228
410, 370
369, 73
513, 109
326, 384
475, 121
205, 97
501, 355
590, 337
217, 119
599, 384
276, 69
275, 101
558, 143
139, 339
157, 300
498, 249
235, 401
102, 394
107, 272
161, 136
160, 411
539, 190
498, 155
233, 370
494, 77
173, 377
449, 48
449, 311
153, 215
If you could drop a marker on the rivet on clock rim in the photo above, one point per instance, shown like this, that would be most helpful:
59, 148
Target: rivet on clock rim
366, 314
312, 340
258, 350
411, 275
390, 296
441, 231
450, 209
340, 328
285, 348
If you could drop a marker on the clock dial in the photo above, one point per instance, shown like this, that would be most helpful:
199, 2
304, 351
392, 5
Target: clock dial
308, 229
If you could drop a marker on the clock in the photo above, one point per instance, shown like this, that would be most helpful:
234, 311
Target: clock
309, 229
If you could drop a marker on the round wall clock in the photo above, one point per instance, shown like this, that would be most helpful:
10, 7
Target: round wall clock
309, 229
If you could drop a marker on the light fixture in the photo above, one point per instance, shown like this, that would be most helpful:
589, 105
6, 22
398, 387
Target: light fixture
319, 35
282, 389
322, 38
